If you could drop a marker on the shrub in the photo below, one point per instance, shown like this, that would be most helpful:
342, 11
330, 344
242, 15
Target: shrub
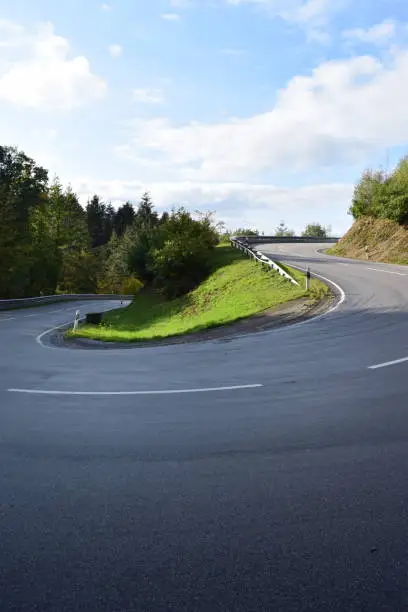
131, 286
178, 267
180, 258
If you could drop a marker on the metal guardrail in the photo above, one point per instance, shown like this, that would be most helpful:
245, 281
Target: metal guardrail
263, 259
50, 299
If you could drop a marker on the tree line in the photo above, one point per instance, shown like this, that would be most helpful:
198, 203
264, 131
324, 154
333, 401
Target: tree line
312, 230
383, 195
49, 243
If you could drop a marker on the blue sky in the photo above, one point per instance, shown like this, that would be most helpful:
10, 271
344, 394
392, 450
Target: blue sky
263, 110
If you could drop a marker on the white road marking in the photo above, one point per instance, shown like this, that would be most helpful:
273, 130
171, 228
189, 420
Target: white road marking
388, 363
8, 319
159, 392
387, 271
335, 307
31, 315
48, 331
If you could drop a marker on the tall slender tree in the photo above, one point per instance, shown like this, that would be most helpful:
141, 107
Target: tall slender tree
23, 186
96, 211
146, 216
124, 217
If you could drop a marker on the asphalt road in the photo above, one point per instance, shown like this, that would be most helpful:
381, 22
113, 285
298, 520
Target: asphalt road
291, 495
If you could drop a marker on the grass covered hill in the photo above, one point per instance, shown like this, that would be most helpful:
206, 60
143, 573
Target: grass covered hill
237, 287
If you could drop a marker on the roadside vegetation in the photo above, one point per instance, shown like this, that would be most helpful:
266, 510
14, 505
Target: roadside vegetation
236, 287
177, 264
380, 210
50, 244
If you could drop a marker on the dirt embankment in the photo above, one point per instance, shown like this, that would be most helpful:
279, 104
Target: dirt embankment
375, 239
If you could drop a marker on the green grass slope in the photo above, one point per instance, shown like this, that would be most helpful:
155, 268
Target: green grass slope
385, 240
237, 287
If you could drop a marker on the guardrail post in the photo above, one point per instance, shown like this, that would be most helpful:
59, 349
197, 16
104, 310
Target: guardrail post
308, 278
76, 320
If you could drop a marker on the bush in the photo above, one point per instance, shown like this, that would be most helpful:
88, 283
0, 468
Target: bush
178, 267
131, 286
173, 256
181, 256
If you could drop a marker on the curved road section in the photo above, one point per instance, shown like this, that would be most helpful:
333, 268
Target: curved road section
268, 472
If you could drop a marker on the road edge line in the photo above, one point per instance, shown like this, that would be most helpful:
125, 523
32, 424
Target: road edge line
124, 393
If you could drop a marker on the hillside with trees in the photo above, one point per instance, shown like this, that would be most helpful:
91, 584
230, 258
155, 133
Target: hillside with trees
380, 210
50, 244
382, 195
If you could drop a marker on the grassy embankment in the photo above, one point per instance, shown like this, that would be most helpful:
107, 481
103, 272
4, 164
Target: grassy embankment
386, 241
236, 288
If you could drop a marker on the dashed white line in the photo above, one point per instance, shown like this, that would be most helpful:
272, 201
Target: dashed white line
31, 315
153, 392
8, 319
386, 271
388, 364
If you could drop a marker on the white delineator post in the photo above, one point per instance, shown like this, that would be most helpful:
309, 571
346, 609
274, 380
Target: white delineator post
76, 320
308, 278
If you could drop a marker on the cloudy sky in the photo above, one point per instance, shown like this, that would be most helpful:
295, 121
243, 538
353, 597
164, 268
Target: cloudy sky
262, 110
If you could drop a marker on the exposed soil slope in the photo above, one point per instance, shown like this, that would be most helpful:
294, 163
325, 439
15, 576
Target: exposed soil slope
385, 241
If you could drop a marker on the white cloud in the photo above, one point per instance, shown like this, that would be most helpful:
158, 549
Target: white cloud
36, 70
311, 15
170, 16
378, 34
106, 7
341, 113
10, 34
148, 96
115, 50
238, 204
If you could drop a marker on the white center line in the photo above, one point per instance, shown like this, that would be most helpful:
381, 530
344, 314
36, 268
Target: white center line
159, 392
8, 319
387, 271
31, 315
388, 363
